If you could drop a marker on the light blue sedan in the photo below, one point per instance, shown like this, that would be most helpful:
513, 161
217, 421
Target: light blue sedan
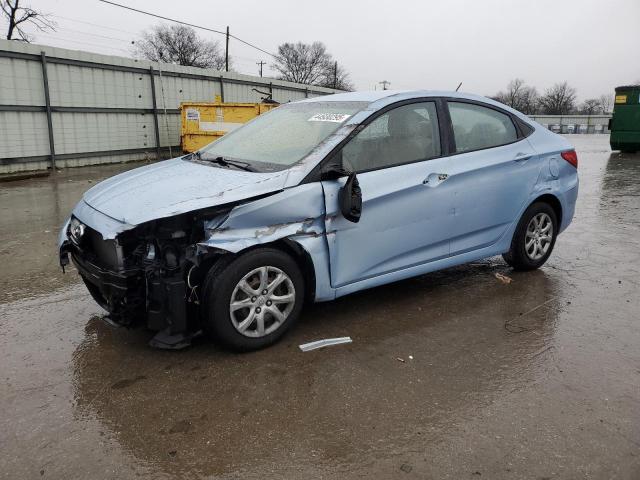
315, 200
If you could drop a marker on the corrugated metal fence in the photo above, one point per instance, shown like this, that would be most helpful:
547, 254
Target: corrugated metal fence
61, 108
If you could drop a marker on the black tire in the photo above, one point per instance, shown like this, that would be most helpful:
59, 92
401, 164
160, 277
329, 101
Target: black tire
517, 256
220, 283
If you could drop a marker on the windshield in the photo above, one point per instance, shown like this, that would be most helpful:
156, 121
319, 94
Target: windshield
284, 136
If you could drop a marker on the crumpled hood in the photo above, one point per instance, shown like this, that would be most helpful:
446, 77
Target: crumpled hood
176, 186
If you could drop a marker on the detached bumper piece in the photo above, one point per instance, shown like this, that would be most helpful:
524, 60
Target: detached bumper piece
167, 313
177, 341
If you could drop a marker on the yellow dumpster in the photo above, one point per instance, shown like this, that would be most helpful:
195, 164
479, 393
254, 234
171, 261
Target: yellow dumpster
203, 123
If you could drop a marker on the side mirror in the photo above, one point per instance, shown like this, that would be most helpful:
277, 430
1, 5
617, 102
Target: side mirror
350, 199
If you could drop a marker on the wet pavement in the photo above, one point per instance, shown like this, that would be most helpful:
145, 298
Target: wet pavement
538, 378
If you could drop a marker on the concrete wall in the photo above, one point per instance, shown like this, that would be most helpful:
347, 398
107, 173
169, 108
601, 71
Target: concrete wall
102, 107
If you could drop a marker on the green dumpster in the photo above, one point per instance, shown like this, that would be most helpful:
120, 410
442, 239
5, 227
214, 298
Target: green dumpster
625, 123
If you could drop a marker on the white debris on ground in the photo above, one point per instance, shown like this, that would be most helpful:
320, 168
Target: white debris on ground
327, 342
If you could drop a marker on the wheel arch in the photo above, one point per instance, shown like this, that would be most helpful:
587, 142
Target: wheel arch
292, 248
553, 202
304, 261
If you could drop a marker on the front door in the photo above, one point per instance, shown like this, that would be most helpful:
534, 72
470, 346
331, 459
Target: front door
405, 197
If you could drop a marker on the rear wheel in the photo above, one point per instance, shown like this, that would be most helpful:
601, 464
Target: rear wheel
534, 238
252, 300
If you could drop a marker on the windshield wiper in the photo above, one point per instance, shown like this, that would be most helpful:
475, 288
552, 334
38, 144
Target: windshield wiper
226, 162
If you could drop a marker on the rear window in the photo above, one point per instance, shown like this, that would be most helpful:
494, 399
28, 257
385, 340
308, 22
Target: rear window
525, 128
476, 127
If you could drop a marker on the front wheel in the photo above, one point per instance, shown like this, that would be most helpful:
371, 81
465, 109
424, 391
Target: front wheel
534, 238
252, 300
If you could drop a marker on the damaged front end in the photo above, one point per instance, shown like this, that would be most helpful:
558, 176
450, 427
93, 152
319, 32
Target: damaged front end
143, 274
152, 273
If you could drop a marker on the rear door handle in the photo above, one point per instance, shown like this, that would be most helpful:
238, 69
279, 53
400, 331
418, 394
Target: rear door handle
521, 157
435, 179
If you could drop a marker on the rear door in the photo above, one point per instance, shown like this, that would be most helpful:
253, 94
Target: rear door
405, 212
492, 174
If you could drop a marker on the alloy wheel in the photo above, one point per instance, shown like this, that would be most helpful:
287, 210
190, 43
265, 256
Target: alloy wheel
261, 301
539, 236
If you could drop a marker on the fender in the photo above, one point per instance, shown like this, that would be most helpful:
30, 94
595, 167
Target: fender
296, 214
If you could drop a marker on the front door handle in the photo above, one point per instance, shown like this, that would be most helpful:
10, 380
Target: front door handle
435, 179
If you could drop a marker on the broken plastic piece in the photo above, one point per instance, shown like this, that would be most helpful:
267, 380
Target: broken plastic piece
177, 341
327, 342
503, 278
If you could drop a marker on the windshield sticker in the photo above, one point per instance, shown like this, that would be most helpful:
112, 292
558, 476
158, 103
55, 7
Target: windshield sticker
329, 117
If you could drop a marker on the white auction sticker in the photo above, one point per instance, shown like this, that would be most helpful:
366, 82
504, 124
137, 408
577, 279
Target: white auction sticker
329, 117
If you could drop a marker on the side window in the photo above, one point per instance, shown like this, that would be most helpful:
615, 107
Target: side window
476, 127
402, 135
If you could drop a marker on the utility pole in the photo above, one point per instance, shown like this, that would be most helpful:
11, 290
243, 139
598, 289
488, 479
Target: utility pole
384, 84
335, 75
261, 63
226, 52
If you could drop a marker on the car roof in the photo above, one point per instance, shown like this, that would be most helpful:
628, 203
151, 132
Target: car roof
375, 95
380, 98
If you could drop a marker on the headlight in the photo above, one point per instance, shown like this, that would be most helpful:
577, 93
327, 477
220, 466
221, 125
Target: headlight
76, 230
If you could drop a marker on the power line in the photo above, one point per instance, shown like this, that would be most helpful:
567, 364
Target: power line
244, 62
236, 58
161, 17
253, 46
226, 34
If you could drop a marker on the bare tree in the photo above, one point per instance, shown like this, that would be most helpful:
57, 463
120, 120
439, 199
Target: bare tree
180, 45
591, 106
311, 64
302, 62
512, 96
519, 96
18, 17
606, 103
335, 76
558, 100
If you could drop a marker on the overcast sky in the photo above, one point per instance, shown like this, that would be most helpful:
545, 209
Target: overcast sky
593, 44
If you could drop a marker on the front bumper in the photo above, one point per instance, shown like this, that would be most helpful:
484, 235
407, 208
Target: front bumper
133, 292
108, 282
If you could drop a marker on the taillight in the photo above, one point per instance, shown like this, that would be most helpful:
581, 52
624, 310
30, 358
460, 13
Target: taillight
570, 156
